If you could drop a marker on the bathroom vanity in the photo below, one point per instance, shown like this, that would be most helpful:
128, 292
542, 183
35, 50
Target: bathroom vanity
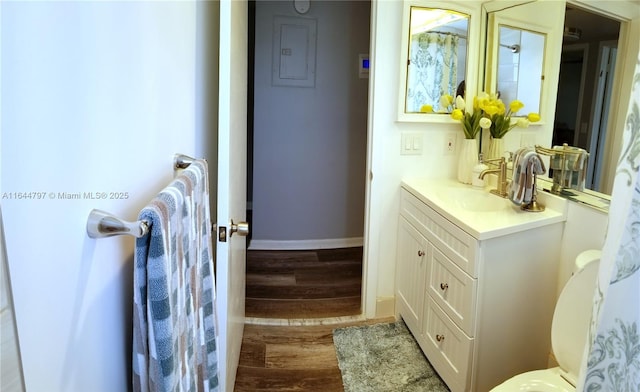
476, 281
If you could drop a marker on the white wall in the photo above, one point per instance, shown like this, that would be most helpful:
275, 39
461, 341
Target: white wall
96, 97
388, 167
584, 229
310, 143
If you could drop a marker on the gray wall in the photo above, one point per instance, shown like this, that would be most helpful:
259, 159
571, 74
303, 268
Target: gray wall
310, 143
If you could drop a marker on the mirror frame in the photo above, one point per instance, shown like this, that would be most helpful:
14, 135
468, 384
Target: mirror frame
473, 56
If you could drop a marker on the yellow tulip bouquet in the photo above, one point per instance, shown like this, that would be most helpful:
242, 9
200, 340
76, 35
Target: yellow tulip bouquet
472, 121
489, 112
494, 109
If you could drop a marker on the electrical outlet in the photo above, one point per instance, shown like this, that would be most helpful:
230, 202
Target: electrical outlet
450, 146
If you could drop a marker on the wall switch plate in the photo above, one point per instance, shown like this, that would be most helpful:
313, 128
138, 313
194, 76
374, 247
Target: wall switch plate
411, 143
450, 144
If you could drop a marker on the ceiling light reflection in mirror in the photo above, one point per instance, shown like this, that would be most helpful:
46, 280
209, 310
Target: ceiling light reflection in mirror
426, 19
437, 57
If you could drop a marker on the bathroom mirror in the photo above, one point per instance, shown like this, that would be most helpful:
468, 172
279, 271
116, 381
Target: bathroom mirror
615, 23
437, 58
587, 75
517, 51
517, 47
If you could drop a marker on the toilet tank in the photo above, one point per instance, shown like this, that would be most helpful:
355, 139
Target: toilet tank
572, 315
585, 258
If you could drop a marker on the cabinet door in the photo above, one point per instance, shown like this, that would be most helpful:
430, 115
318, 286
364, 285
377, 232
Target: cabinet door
411, 273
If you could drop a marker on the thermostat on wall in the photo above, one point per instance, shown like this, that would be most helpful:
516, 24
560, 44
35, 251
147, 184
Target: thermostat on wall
363, 67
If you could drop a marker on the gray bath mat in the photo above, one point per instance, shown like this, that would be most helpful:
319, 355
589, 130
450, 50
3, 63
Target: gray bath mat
383, 358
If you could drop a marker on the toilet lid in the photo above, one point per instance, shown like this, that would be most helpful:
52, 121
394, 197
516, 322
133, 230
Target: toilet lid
571, 319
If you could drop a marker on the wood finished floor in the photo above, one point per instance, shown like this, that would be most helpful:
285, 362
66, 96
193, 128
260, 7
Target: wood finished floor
289, 358
297, 285
304, 284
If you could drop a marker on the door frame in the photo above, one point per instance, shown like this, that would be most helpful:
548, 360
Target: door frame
607, 53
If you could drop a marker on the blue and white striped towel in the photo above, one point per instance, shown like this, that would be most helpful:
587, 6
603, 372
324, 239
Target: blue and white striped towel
174, 342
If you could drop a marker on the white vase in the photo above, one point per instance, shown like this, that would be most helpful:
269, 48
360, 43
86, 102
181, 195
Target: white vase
496, 148
467, 159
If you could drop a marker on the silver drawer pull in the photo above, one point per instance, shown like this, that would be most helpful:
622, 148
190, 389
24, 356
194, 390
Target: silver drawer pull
439, 338
420, 253
444, 286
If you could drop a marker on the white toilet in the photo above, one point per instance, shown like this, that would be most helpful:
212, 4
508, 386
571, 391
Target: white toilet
569, 330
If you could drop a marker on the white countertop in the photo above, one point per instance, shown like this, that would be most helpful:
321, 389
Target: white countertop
597, 200
445, 196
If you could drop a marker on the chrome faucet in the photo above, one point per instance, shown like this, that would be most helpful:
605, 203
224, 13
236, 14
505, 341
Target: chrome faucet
501, 171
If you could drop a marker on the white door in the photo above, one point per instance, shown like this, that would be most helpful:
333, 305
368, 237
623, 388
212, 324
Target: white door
231, 192
95, 97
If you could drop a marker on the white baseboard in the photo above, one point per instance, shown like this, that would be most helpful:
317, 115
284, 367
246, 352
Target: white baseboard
385, 307
332, 243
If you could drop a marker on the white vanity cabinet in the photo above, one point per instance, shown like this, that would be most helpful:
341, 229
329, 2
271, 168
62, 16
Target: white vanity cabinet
479, 302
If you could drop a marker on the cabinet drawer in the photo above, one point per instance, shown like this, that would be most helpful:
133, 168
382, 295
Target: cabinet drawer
447, 347
453, 290
455, 243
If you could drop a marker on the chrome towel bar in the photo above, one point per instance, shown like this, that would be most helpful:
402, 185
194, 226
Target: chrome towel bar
181, 161
101, 224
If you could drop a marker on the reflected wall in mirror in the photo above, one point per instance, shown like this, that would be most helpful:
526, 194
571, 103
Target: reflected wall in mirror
437, 57
515, 81
586, 80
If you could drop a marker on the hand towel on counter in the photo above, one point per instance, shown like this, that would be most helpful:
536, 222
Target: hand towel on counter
526, 164
174, 341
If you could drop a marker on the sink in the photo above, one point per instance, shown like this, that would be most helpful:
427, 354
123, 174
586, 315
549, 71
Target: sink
471, 199
475, 210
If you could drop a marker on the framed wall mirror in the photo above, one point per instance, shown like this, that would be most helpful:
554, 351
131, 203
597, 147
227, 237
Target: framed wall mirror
437, 58
515, 81
518, 56
572, 73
